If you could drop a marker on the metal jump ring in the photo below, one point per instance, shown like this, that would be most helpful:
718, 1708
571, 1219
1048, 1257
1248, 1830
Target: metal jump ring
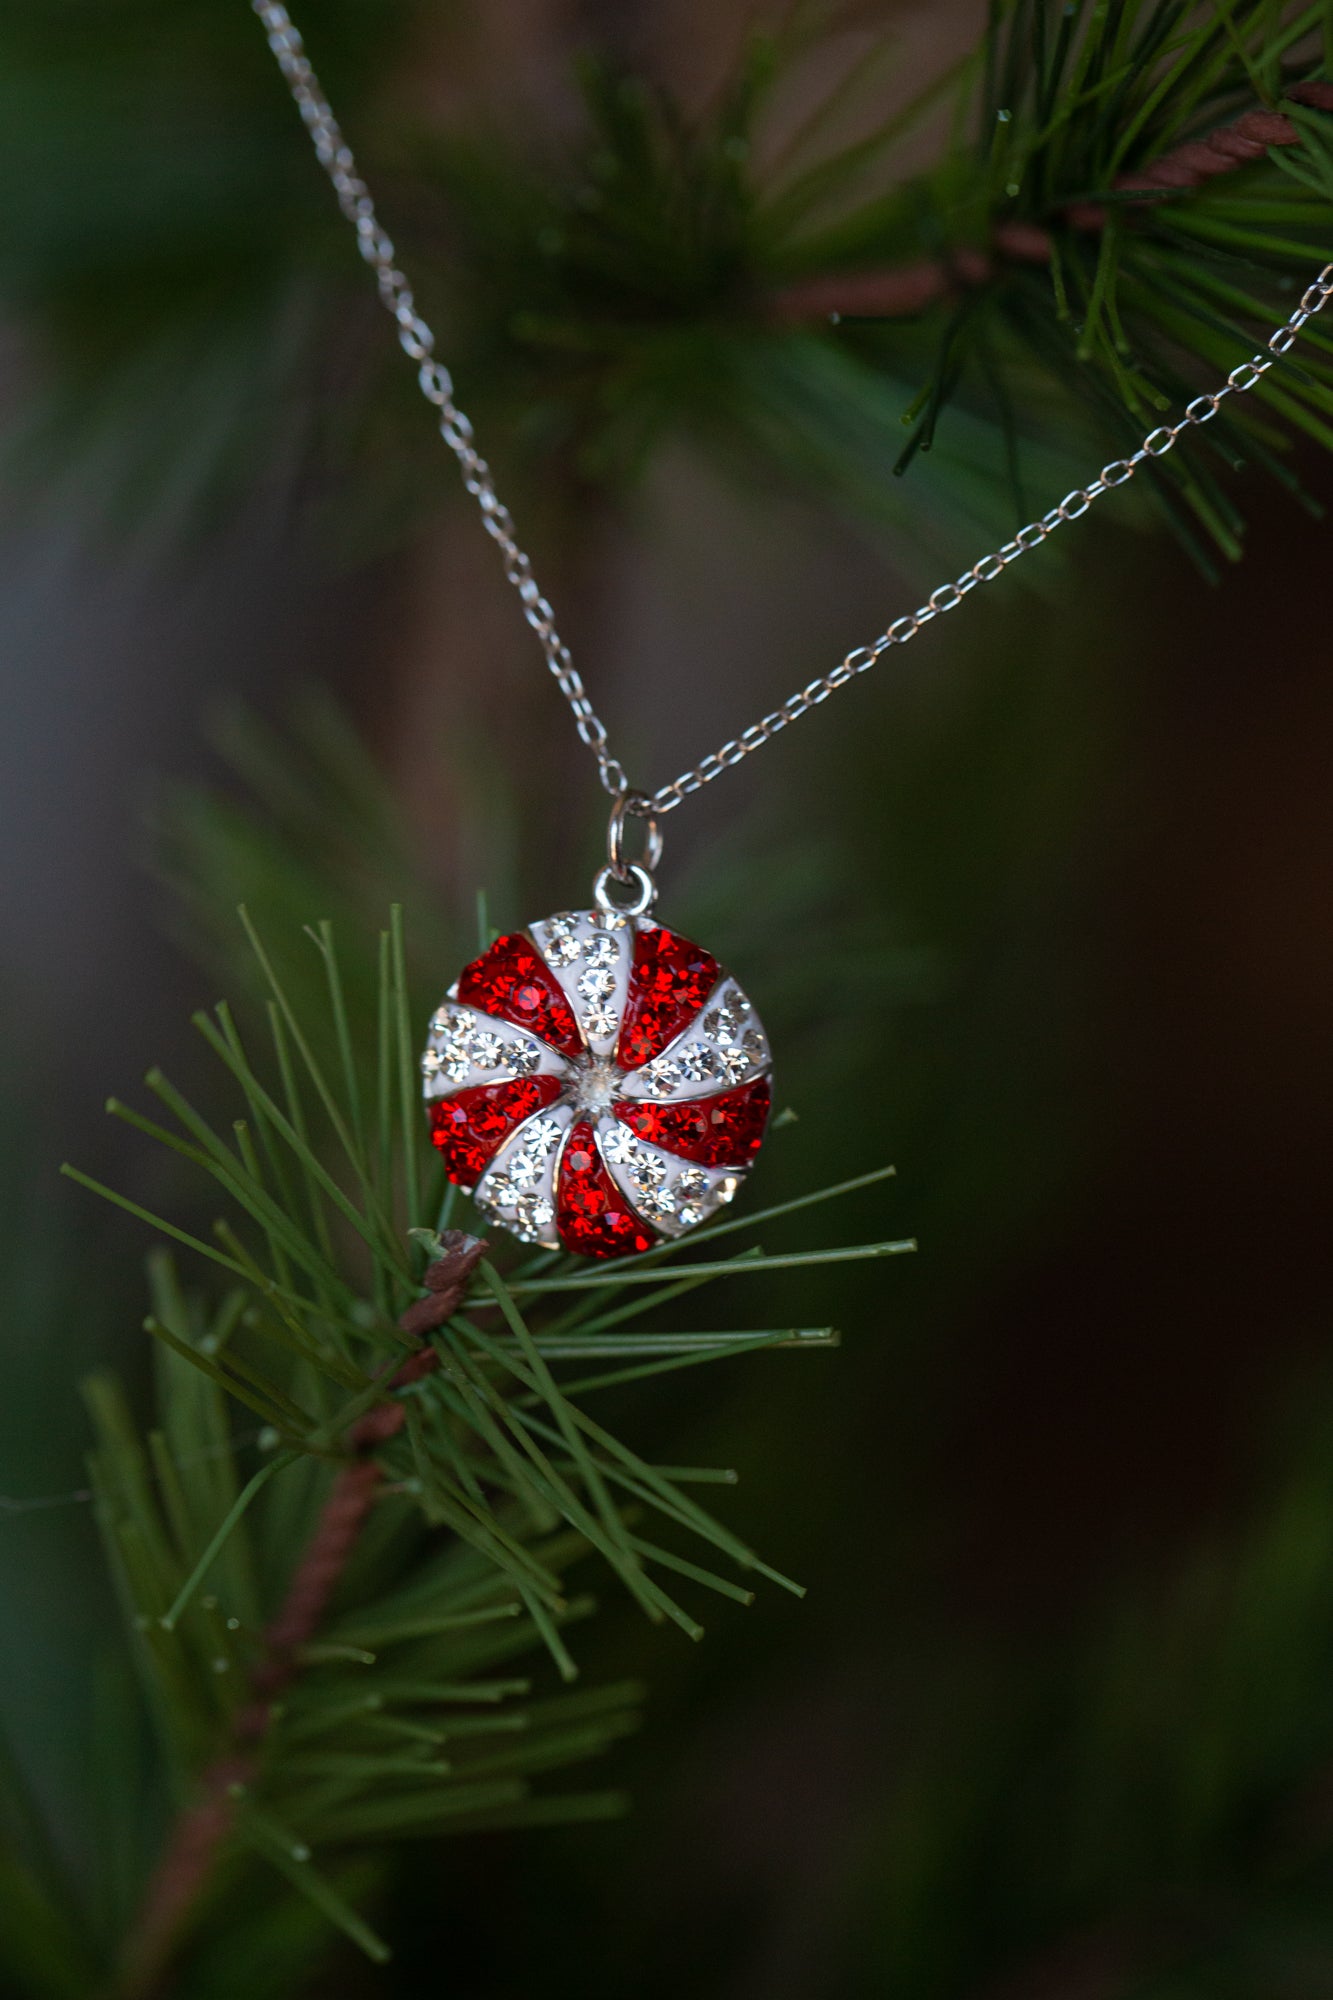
636, 806
645, 890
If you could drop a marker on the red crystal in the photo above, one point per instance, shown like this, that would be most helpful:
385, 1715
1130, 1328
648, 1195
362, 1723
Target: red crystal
722, 1131
592, 1215
471, 1126
670, 980
511, 982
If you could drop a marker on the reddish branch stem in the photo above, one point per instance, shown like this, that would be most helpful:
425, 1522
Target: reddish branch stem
195, 1842
907, 289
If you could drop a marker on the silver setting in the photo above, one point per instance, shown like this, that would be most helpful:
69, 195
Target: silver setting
590, 955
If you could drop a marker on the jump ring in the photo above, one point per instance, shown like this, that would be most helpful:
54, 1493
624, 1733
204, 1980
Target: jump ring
637, 806
645, 891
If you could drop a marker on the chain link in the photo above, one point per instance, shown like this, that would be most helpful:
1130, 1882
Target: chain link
418, 343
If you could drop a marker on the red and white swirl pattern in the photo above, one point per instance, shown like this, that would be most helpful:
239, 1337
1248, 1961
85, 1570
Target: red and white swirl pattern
597, 1083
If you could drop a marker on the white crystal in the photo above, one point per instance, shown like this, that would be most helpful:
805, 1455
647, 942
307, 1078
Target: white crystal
601, 949
619, 1145
535, 1213
522, 1058
647, 1171
724, 1020
692, 1181
430, 1062
540, 1135
562, 949
689, 1215
488, 1049
523, 1168
501, 1190
455, 1061
608, 920
726, 1188
599, 1025
735, 1064
597, 983
656, 1203
698, 1061
662, 1076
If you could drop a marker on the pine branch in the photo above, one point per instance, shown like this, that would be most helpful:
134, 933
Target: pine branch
426, 1449
669, 271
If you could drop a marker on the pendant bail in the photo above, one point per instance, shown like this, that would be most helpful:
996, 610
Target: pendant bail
620, 870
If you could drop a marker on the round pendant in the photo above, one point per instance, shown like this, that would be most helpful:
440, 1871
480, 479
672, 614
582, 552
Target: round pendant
597, 1083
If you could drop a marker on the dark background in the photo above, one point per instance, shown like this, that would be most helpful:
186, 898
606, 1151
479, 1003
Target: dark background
1050, 928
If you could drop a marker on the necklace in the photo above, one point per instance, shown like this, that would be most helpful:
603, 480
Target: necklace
598, 1083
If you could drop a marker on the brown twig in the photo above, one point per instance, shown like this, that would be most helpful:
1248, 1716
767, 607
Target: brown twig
195, 1842
905, 290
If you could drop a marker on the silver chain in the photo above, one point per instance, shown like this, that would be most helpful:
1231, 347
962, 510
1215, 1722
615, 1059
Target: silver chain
418, 343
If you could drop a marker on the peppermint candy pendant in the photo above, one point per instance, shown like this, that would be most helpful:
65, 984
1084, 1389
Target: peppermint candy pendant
597, 1082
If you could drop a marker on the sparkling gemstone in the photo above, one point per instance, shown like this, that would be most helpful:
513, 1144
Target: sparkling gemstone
488, 1049
692, 1182
430, 1062
511, 983
522, 1058
599, 1025
450, 1021
618, 1146
647, 1171
728, 1017
535, 1213
697, 1061
690, 1214
562, 949
608, 920
663, 1076
670, 980
597, 983
657, 1203
455, 1062
727, 1188
501, 1190
594, 1218
734, 1064
726, 1130
523, 1168
601, 949
470, 1127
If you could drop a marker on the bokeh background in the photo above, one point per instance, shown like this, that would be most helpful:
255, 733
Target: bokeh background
1040, 911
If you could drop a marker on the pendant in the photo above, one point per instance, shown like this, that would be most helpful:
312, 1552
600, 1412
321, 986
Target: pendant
598, 1083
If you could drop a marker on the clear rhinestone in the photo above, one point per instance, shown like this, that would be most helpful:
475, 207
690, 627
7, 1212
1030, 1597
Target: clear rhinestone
488, 1050
692, 1181
619, 1146
689, 1215
597, 983
601, 949
455, 1061
608, 920
755, 1046
647, 1171
726, 1188
698, 1062
656, 1203
728, 1017
541, 1136
599, 1025
523, 1169
662, 1076
430, 1062
561, 951
522, 1058
734, 1064
535, 1213
500, 1190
